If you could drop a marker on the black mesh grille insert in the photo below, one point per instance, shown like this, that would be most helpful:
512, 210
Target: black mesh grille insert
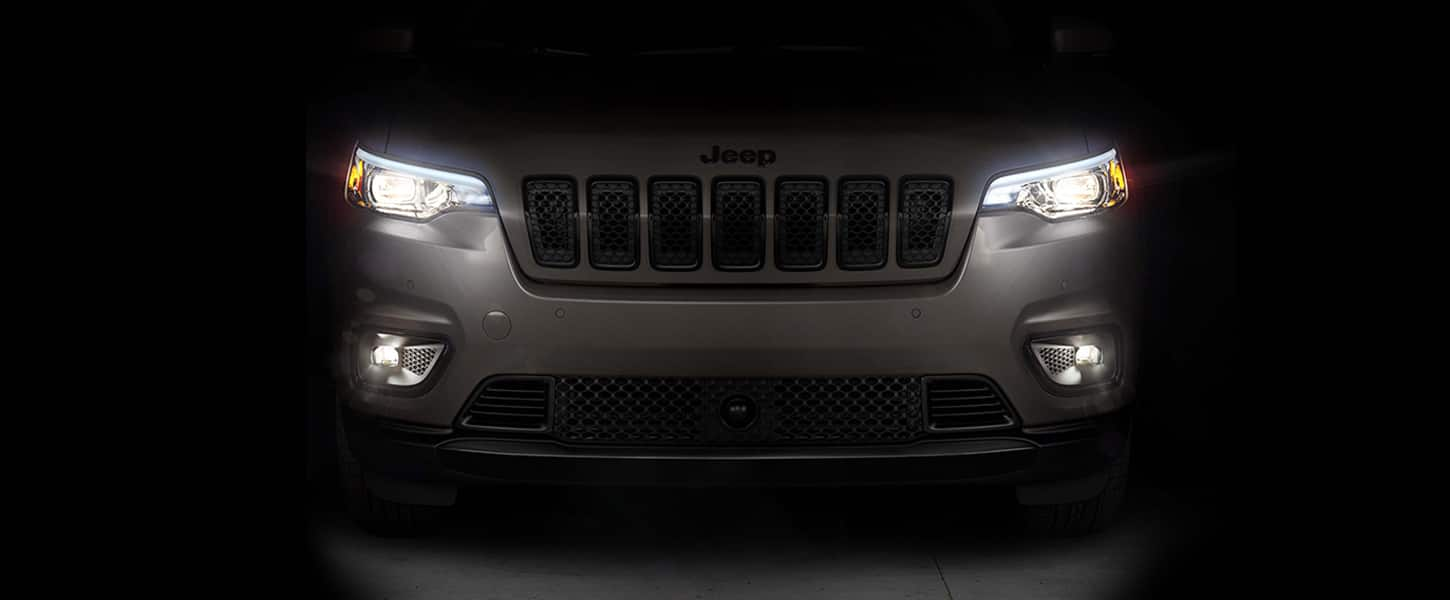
846, 410
800, 224
550, 208
965, 403
613, 224
510, 403
924, 213
674, 224
737, 225
861, 232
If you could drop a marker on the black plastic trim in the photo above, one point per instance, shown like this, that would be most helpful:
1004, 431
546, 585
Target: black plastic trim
461, 419
885, 226
901, 236
825, 218
590, 221
528, 229
715, 222
699, 213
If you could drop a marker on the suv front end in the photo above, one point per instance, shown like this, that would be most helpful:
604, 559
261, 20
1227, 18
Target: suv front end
916, 304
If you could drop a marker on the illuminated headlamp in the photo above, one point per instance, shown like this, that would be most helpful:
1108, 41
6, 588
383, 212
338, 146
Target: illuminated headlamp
415, 191
1068, 190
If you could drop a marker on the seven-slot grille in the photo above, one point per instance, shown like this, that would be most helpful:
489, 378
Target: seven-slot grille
739, 212
519, 403
965, 403
923, 218
550, 209
861, 229
800, 224
613, 224
737, 224
674, 224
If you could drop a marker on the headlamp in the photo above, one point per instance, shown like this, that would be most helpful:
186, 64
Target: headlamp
1068, 190
415, 191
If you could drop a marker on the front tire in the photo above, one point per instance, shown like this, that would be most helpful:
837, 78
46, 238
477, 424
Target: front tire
374, 514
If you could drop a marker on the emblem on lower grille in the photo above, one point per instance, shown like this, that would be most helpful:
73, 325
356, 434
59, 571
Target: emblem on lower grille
738, 412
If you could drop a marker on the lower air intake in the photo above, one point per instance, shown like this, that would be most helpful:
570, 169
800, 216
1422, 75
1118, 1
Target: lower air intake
965, 403
511, 403
688, 411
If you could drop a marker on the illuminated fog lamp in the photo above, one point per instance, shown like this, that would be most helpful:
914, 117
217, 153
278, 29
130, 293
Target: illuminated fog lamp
396, 360
1089, 355
386, 356
1076, 360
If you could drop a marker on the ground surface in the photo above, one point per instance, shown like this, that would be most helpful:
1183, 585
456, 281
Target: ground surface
541, 542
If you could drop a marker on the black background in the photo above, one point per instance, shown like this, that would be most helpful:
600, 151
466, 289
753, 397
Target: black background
1177, 105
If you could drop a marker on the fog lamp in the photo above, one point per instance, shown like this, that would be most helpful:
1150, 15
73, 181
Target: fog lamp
399, 360
1089, 355
1076, 360
385, 356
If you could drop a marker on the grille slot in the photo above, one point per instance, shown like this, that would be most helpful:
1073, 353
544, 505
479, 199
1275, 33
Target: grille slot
674, 224
737, 224
550, 208
924, 213
613, 224
965, 403
685, 411
800, 225
519, 403
861, 231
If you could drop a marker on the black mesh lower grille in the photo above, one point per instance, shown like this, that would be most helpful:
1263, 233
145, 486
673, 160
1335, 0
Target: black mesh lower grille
861, 232
923, 217
965, 403
847, 410
737, 225
613, 224
674, 224
550, 208
800, 225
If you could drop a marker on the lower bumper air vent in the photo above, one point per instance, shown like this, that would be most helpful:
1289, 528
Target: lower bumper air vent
690, 411
516, 403
965, 404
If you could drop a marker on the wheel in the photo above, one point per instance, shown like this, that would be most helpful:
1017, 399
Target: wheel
377, 515
1082, 517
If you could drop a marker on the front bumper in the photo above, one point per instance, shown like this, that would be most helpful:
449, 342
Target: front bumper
418, 454
1020, 278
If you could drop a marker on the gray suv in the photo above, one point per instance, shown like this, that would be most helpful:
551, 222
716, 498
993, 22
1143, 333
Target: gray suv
770, 296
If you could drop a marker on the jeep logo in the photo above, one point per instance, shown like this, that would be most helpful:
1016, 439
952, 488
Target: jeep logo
730, 157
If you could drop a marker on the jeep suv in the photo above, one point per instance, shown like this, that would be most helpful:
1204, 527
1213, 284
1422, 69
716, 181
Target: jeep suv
787, 264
